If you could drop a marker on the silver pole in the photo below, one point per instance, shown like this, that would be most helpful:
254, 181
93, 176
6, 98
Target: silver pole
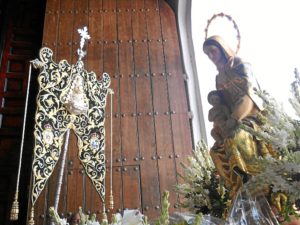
61, 172
14, 214
111, 197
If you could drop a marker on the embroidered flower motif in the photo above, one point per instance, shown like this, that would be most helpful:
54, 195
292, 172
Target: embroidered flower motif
48, 135
94, 141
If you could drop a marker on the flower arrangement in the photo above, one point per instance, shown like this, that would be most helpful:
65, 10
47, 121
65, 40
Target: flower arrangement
131, 217
280, 177
202, 191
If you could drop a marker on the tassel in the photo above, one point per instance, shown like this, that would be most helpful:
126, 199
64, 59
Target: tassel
111, 200
104, 216
14, 213
31, 218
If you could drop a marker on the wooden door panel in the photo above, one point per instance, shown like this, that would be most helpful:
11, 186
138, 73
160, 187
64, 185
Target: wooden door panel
109, 5
95, 6
157, 66
144, 95
14, 102
117, 188
182, 146
52, 187
42, 211
148, 166
90, 197
172, 57
15, 65
95, 47
147, 143
149, 171
127, 82
124, 20
110, 64
6, 143
79, 177
62, 203
74, 167
80, 21
129, 140
164, 140
170, 36
150, 189
95, 58
153, 20
131, 184
21, 50
11, 121
160, 94
65, 30
124, 5
138, 5
51, 24
141, 63
71, 204
168, 179
152, 4
13, 84
110, 18
139, 28
177, 89
116, 145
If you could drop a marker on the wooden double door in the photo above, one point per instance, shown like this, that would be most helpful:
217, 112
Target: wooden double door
137, 43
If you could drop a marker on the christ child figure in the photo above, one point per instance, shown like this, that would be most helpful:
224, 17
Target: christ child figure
219, 115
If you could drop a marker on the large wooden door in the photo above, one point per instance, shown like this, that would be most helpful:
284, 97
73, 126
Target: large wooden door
136, 42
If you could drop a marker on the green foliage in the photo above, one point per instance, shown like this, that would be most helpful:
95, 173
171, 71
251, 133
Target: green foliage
281, 175
164, 217
54, 215
202, 191
145, 222
114, 218
83, 217
197, 220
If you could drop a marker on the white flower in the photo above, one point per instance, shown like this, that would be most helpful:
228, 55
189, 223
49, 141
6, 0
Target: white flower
93, 223
118, 219
63, 222
132, 217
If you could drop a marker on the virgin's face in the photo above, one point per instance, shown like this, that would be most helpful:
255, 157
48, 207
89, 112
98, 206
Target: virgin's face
215, 55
